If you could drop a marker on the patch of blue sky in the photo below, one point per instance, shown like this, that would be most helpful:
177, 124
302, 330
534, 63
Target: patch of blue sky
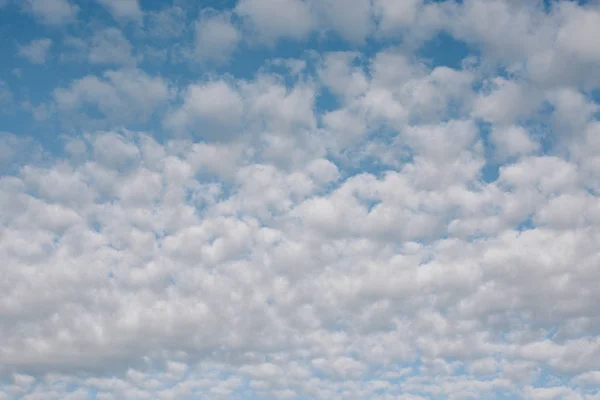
490, 171
526, 224
550, 4
595, 97
446, 51
355, 163
552, 377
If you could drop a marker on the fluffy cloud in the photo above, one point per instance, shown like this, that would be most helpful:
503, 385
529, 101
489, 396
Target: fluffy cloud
123, 9
124, 95
166, 23
216, 38
111, 47
512, 140
263, 111
394, 15
351, 23
36, 51
275, 20
575, 36
293, 267
216, 103
353, 222
52, 12
106, 46
5, 94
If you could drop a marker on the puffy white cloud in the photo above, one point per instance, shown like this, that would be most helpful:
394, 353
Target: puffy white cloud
166, 23
553, 48
577, 34
6, 95
36, 51
277, 120
504, 101
512, 140
109, 46
120, 95
123, 9
106, 46
340, 76
274, 20
353, 23
591, 378
394, 15
280, 108
15, 150
216, 38
52, 12
388, 93
208, 106
572, 110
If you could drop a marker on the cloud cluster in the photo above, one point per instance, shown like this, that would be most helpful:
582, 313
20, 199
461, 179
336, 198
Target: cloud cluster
355, 222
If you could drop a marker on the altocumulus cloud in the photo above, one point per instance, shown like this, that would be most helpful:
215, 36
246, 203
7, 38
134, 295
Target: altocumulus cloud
300, 199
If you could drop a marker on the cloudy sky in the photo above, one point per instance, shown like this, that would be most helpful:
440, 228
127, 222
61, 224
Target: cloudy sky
299, 199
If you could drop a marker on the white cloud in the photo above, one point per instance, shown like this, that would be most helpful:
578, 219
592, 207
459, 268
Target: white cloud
512, 140
591, 378
503, 101
166, 23
577, 34
52, 12
5, 93
395, 15
275, 118
216, 104
123, 9
584, 149
122, 95
15, 151
572, 110
277, 107
484, 366
216, 38
274, 20
36, 51
389, 92
109, 46
353, 23
342, 77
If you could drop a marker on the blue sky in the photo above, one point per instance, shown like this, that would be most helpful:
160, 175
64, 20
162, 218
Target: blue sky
299, 199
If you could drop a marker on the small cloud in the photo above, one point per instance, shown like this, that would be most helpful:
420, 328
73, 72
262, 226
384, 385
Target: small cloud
36, 51
123, 9
213, 106
5, 93
109, 46
512, 140
52, 12
167, 23
121, 95
216, 38
273, 20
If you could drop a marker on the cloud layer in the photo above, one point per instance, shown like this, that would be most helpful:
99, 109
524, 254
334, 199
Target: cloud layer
301, 199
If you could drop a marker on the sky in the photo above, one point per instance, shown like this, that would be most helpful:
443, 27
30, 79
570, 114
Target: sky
299, 199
